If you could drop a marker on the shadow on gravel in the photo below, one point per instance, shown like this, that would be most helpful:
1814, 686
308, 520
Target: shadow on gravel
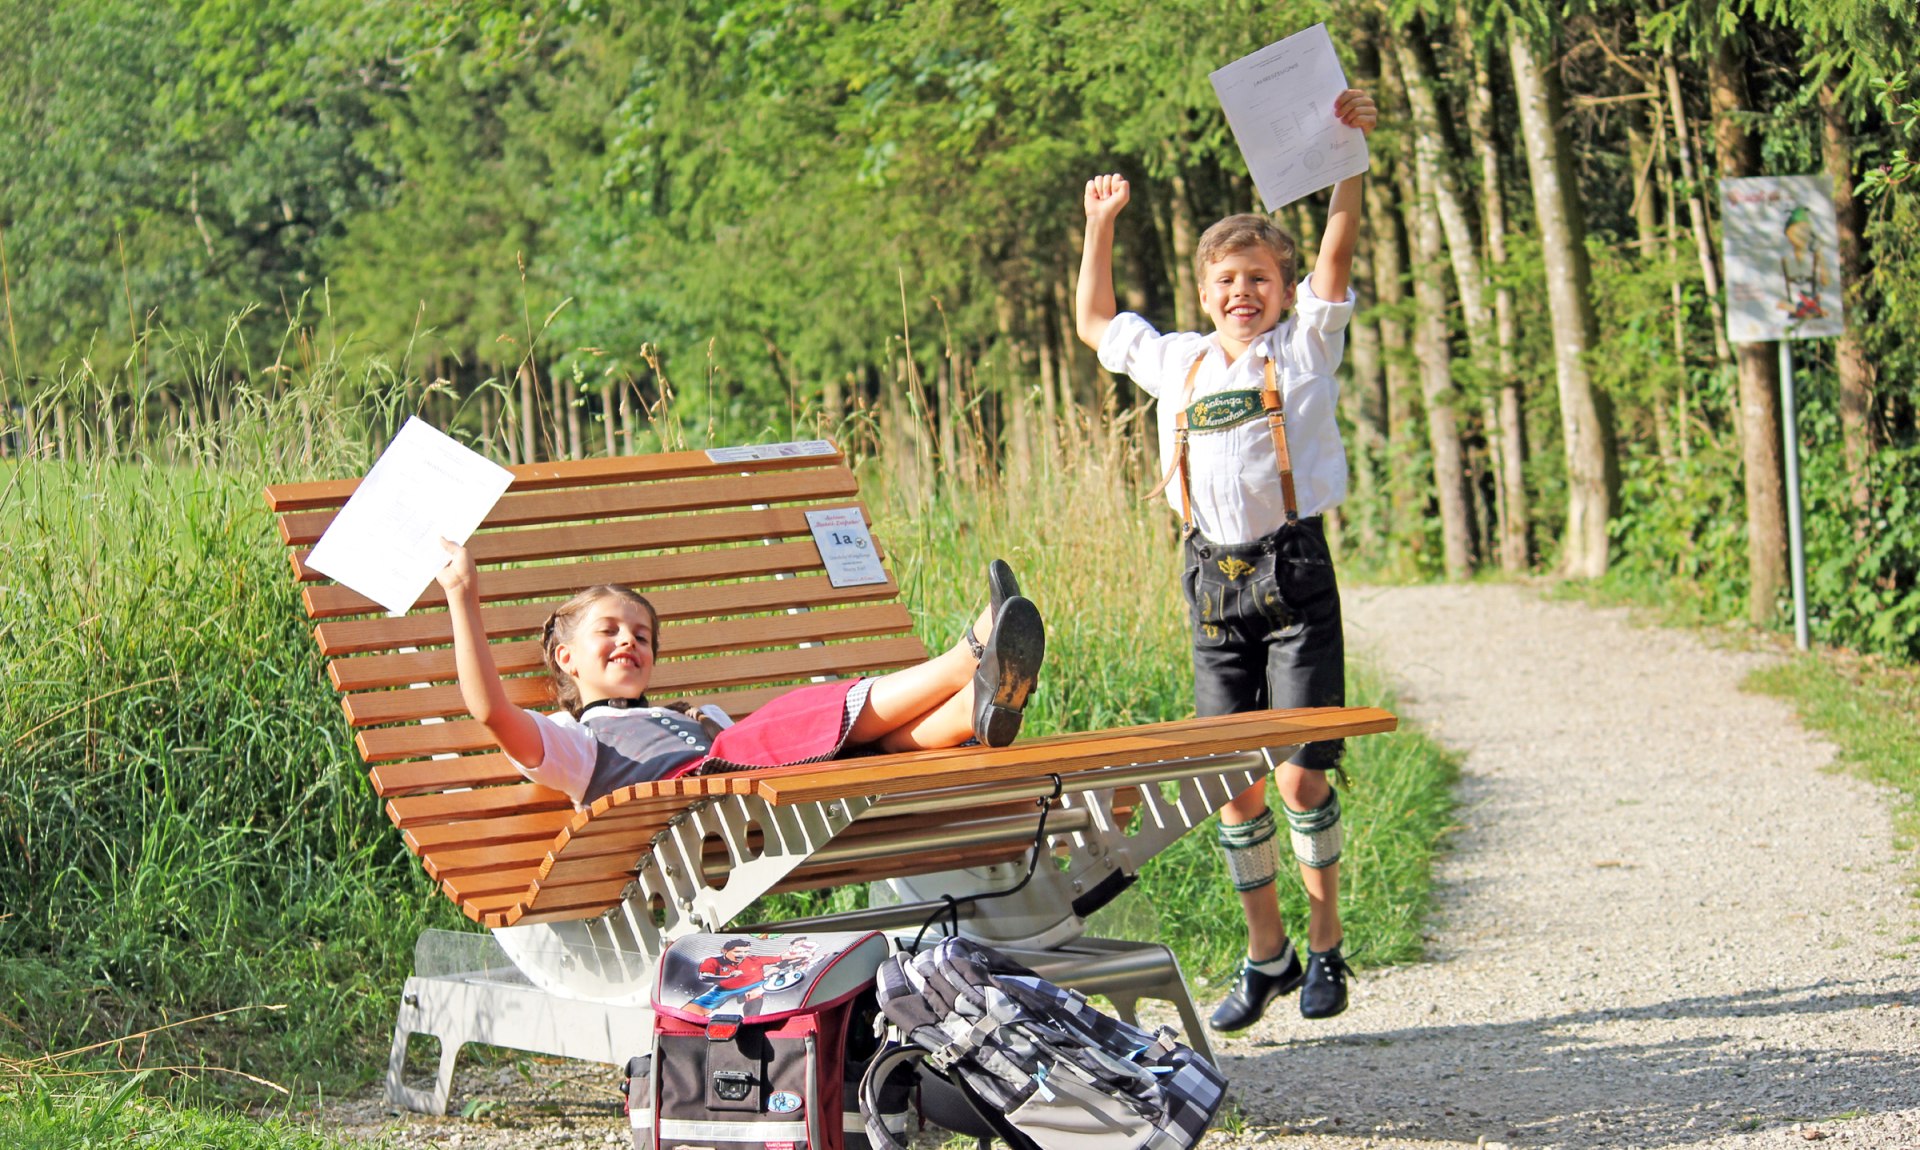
1594, 1077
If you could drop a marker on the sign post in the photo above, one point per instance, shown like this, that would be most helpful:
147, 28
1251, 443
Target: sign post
1783, 283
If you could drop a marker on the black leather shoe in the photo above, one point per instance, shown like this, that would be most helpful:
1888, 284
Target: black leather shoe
1254, 992
1009, 666
1325, 993
1001, 586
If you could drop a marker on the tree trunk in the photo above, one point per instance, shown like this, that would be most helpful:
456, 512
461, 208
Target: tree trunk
1431, 345
1433, 158
1696, 211
528, 419
1646, 219
1186, 297
1507, 432
1586, 415
1430, 349
1850, 357
1682, 433
607, 401
1760, 450
1366, 399
1385, 225
576, 430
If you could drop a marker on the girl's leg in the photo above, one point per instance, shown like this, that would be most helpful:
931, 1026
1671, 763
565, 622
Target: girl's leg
910, 700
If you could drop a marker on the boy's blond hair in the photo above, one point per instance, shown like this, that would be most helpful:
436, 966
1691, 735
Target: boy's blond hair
1247, 230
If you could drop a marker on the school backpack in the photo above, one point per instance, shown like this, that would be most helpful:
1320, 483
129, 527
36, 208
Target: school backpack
758, 1042
1039, 1063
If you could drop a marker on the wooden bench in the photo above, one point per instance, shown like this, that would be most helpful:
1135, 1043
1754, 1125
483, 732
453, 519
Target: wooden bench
585, 901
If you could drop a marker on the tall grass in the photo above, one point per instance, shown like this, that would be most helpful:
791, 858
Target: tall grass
187, 828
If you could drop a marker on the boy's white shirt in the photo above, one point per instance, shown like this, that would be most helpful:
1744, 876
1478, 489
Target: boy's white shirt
1236, 482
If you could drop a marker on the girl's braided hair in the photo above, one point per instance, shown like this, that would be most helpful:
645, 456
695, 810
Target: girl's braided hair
561, 625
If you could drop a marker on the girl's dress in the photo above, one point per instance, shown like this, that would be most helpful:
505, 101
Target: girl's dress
615, 743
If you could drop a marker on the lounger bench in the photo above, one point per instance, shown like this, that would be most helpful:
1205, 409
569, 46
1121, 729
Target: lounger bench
583, 902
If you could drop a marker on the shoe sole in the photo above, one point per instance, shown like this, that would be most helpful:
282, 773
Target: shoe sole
1008, 671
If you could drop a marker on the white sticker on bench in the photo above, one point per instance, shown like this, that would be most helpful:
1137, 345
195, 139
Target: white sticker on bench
846, 548
770, 451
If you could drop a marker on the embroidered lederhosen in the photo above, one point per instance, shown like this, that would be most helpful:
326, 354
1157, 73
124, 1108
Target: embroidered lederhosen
1218, 412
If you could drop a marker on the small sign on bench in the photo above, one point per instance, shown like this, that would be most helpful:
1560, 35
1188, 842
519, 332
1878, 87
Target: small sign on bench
846, 547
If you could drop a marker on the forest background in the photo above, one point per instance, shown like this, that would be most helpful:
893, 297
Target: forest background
552, 226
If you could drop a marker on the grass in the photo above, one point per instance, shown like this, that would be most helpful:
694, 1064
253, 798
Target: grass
190, 831
41, 1112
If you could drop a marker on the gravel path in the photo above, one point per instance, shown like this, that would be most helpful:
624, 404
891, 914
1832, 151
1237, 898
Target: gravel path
1663, 923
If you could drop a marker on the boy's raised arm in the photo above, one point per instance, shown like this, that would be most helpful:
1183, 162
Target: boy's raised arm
1334, 268
1094, 307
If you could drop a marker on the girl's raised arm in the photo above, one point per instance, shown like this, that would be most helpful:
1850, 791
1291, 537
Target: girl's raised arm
517, 732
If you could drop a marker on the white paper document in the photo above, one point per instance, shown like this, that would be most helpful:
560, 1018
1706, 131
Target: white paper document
846, 547
1279, 103
385, 543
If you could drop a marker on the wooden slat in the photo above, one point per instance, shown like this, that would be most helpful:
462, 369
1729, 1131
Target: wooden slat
283, 497
526, 509
456, 862
579, 540
930, 770
372, 708
540, 827
557, 905
510, 886
374, 672
423, 775
409, 811
647, 575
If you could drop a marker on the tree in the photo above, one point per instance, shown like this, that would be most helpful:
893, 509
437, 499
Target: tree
1586, 415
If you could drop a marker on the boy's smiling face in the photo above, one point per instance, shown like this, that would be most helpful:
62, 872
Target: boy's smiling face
1245, 295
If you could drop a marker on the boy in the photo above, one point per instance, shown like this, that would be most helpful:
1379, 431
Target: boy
1251, 467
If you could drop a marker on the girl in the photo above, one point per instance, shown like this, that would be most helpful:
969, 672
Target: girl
600, 647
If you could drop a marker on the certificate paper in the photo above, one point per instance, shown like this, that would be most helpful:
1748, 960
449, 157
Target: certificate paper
1279, 103
385, 543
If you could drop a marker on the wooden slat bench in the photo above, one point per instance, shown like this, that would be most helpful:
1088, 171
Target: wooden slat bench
584, 901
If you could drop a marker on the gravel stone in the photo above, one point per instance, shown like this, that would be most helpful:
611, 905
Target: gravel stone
1664, 922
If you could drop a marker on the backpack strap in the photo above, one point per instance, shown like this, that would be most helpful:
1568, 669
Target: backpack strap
873, 1105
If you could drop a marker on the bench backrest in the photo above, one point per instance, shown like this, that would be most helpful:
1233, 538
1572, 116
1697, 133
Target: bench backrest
718, 541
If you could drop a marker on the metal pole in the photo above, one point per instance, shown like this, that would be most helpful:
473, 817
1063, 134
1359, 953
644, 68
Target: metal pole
1796, 542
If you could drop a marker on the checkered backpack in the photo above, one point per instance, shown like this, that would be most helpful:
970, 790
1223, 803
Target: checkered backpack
1063, 1075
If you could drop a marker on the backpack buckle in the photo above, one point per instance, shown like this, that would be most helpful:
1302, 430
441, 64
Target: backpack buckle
722, 1027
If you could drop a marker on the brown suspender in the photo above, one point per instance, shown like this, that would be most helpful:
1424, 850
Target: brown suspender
1275, 406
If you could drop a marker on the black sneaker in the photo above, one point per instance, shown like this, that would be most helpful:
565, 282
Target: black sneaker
1325, 994
1250, 996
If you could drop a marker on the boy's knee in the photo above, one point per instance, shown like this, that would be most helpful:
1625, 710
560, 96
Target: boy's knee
1303, 788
